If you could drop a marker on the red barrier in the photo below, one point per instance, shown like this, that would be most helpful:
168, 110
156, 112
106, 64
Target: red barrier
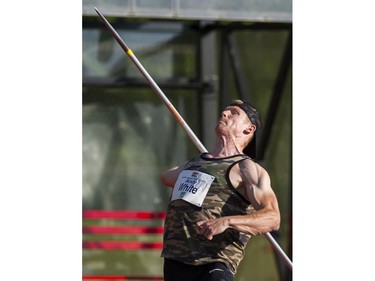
100, 229
104, 214
122, 245
121, 277
122, 230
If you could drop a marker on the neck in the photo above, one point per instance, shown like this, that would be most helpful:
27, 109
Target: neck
226, 147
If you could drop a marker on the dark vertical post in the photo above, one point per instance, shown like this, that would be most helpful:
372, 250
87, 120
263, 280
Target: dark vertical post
208, 72
276, 97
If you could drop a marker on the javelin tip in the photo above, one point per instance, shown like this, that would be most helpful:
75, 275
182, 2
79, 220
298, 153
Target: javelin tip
97, 11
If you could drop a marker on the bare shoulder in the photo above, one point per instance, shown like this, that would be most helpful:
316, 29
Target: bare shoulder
253, 173
258, 185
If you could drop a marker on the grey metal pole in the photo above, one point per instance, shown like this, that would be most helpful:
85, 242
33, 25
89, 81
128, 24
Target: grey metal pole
175, 113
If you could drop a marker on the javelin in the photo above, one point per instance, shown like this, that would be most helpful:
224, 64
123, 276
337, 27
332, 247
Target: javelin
175, 114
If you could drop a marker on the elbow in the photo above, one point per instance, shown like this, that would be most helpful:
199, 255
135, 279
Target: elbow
165, 180
276, 223
273, 221
275, 226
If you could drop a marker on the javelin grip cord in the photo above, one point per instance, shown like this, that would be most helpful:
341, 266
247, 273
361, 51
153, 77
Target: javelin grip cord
175, 113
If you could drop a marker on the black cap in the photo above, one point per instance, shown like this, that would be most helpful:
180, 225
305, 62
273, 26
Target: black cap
252, 113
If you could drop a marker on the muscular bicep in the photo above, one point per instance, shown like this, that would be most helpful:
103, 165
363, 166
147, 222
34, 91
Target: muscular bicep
258, 188
262, 198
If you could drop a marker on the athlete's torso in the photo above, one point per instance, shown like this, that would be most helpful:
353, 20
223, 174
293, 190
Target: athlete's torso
182, 241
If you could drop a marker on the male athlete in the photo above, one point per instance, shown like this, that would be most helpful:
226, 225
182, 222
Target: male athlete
219, 200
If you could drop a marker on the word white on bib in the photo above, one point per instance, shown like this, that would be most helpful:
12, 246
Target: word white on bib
192, 186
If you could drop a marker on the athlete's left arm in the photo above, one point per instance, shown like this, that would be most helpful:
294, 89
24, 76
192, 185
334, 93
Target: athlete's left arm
266, 218
259, 192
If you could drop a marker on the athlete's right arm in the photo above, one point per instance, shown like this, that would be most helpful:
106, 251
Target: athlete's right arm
169, 177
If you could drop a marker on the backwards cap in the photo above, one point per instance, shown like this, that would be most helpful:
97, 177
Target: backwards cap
250, 111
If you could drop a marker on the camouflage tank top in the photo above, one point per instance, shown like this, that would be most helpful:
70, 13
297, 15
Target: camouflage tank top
182, 241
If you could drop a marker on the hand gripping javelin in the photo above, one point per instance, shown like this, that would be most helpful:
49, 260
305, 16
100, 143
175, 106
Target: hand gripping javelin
176, 115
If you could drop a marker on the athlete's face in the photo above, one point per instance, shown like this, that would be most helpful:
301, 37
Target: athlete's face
233, 119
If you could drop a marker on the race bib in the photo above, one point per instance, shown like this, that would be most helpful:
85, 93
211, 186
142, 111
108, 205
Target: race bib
192, 186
